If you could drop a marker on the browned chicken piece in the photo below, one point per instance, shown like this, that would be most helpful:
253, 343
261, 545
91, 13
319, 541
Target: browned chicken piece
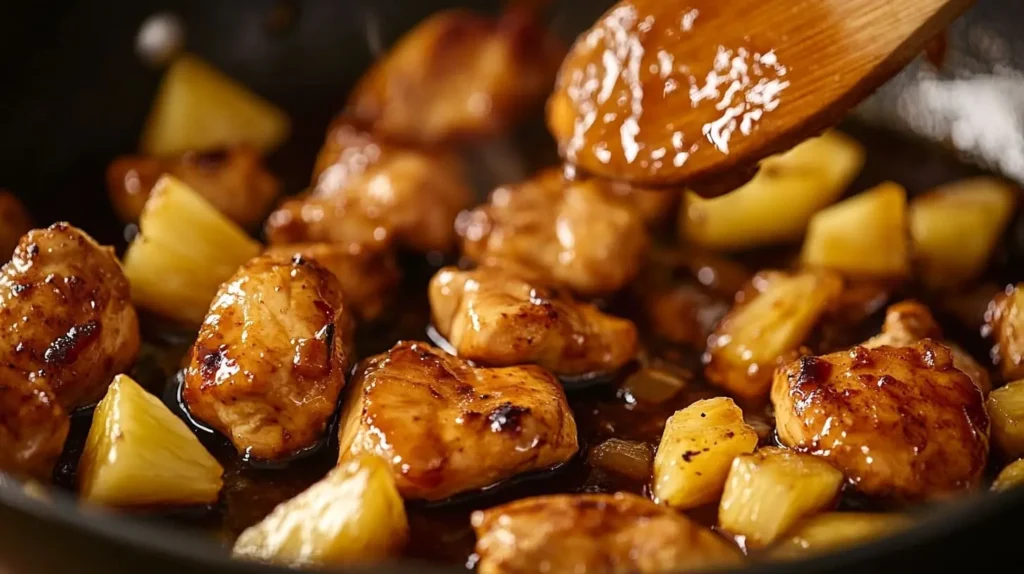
594, 533
766, 328
459, 75
492, 316
14, 222
271, 357
1004, 324
375, 194
845, 322
368, 279
233, 180
33, 425
900, 422
684, 314
568, 234
448, 427
655, 206
908, 322
67, 307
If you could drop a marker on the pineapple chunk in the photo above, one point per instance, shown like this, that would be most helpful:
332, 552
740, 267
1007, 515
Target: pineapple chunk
955, 227
1012, 476
198, 108
770, 490
138, 453
864, 236
1006, 411
184, 250
696, 451
767, 329
835, 530
775, 206
353, 515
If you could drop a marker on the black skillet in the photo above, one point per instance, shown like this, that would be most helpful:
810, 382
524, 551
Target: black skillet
74, 95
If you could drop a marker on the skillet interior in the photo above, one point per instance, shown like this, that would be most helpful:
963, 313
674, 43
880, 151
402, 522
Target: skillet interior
75, 95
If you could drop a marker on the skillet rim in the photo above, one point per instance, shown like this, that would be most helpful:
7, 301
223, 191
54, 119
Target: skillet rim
166, 541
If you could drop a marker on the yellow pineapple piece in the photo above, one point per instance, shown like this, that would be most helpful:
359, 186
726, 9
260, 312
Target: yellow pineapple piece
863, 236
696, 451
138, 453
774, 206
955, 228
767, 329
835, 530
1012, 476
353, 515
1006, 411
198, 108
770, 490
184, 250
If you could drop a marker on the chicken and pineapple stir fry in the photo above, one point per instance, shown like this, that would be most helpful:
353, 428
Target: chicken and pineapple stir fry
612, 360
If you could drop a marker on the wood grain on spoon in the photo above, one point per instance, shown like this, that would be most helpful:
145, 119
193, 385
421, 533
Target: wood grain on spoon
662, 92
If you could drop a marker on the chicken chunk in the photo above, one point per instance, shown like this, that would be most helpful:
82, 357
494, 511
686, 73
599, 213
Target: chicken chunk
66, 307
900, 422
14, 222
1004, 323
271, 357
684, 314
375, 194
594, 533
232, 180
908, 322
570, 234
33, 425
449, 427
367, 278
493, 317
654, 205
459, 75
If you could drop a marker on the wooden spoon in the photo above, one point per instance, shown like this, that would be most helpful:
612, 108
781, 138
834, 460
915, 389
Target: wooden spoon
665, 92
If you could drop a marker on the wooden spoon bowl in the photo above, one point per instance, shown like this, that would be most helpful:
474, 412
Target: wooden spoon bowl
665, 92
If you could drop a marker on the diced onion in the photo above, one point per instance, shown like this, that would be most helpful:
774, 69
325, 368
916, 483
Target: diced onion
627, 458
655, 386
